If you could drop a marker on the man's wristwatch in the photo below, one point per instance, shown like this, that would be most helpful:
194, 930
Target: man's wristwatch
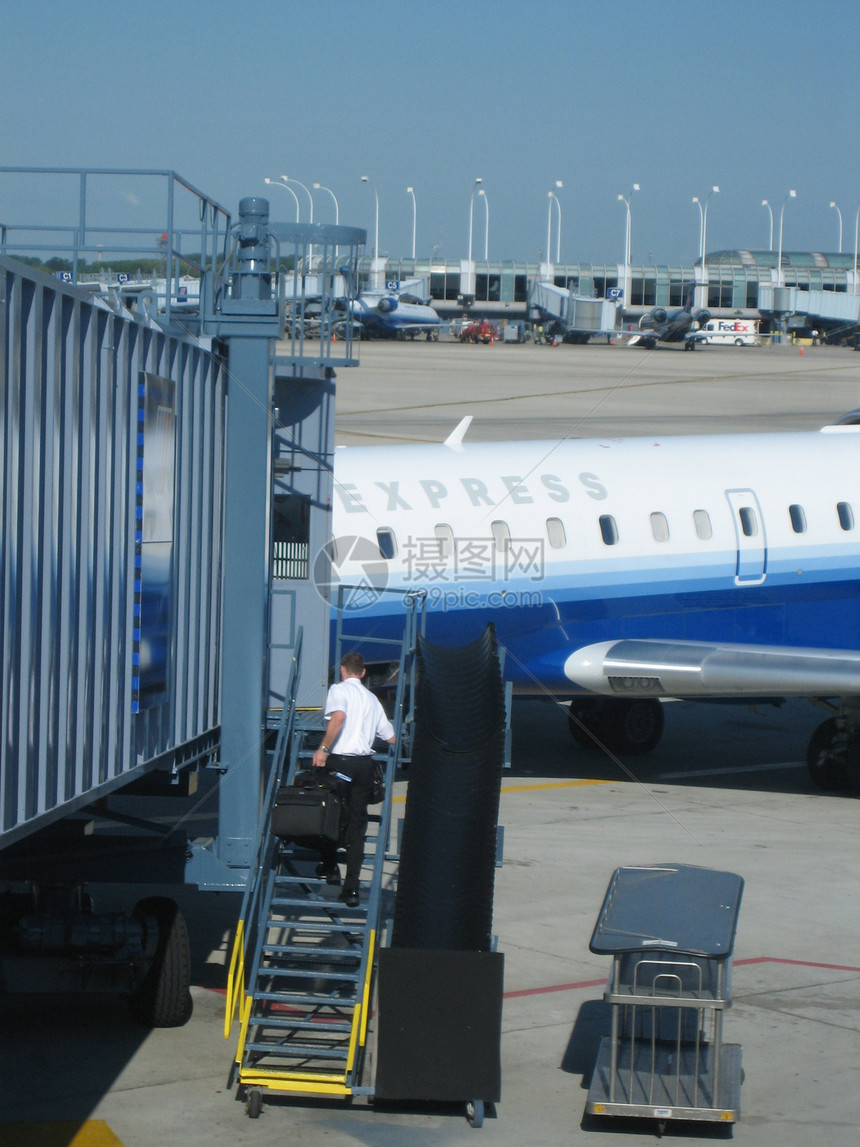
325, 749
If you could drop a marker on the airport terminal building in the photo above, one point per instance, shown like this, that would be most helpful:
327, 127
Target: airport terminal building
738, 282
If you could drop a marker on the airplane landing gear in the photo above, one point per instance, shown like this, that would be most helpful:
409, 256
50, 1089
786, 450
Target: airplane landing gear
833, 756
630, 727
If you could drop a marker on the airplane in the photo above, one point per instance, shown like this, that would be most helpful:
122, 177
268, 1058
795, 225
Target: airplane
660, 325
623, 572
394, 314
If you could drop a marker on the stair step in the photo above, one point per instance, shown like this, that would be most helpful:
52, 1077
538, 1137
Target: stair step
317, 927
293, 999
298, 1051
309, 952
288, 1023
340, 974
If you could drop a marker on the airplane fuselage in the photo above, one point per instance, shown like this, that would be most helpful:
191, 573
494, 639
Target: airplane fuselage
738, 539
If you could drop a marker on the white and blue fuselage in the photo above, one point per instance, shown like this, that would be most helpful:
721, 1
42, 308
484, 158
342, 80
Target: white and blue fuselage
680, 566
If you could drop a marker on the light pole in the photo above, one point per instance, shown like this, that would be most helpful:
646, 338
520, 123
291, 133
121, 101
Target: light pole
483, 195
283, 186
477, 184
319, 187
791, 195
705, 222
765, 203
698, 203
839, 213
287, 180
365, 179
550, 196
410, 191
856, 236
627, 240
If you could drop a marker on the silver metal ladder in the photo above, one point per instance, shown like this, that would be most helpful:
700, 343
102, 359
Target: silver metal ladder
302, 965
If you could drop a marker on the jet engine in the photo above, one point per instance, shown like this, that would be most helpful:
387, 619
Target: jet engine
702, 317
654, 317
387, 305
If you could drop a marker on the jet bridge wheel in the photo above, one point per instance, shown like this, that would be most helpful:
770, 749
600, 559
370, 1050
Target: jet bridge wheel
163, 999
632, 727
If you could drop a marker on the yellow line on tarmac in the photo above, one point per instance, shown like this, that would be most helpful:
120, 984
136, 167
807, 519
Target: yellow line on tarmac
68, 1133
535, 787
551, 785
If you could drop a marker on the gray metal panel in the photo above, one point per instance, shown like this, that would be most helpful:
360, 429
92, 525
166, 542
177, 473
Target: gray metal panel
68, 472
669, 908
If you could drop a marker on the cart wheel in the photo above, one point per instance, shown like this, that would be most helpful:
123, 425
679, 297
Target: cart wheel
475, 1112
255, 1103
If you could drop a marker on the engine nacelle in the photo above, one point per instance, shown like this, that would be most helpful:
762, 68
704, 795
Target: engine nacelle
657, 315
702, 317
387, 305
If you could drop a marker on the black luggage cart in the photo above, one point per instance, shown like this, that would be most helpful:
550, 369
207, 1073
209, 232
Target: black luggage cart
670, 930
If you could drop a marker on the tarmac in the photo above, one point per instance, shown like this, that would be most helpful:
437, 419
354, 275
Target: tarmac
726, 788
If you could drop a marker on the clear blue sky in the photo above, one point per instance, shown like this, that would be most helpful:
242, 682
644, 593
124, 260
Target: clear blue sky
758, 97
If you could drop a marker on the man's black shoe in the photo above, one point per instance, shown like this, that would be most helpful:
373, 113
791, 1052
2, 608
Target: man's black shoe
350, 897
332, 875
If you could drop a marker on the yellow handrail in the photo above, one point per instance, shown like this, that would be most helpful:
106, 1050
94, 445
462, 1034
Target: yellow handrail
235, 977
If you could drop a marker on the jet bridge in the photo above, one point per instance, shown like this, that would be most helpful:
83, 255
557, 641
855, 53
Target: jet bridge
142, 431
572, 318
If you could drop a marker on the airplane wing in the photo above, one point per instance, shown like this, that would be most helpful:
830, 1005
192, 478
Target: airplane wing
654, 668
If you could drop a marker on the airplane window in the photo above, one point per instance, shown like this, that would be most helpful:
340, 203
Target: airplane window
660, 527
555, 533
749, 523
798, 518
702, 521
387, 542
846, 515
446, 539
608, 530
501, 536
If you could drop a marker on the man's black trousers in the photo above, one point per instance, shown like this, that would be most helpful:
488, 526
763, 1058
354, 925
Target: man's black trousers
355, 794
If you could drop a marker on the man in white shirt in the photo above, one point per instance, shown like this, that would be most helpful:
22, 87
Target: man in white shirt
355, 719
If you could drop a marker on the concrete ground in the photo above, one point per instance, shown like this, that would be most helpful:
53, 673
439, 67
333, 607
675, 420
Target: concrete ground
726, 788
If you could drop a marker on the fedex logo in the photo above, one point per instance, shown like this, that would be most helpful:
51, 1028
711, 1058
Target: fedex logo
739, 325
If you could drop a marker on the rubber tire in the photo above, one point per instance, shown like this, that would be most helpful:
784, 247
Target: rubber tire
255, 1103
163, 999
639, 727
475, 1112
632, 727
828, 775
584, 719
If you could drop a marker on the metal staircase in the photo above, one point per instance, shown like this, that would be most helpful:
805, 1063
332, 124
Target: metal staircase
302, 966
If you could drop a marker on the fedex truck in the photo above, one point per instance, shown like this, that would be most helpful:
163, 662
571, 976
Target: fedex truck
730, 332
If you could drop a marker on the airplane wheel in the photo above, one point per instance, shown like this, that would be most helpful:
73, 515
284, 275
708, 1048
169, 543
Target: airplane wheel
638, 726
828, 768
630, 727
586, 720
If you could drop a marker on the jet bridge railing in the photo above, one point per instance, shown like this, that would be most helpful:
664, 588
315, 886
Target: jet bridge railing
177, 228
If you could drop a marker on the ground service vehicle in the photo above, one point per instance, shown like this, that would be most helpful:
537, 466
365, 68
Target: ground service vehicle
730, 332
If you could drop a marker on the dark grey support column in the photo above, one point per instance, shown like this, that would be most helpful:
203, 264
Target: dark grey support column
246, 534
